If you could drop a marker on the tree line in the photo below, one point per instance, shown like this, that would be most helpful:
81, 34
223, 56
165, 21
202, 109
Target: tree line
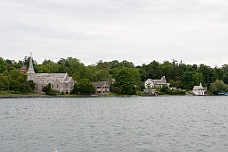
128, 78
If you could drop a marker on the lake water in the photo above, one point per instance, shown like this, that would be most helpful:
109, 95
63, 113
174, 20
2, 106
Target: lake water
128, 124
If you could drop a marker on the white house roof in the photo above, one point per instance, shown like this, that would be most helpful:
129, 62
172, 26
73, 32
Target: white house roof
198, 87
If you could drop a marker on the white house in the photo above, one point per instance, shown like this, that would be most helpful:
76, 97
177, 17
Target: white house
152, 84
199, 90
156, 83
59, 81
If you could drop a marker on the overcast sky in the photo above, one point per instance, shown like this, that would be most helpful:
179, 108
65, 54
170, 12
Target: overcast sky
140, 31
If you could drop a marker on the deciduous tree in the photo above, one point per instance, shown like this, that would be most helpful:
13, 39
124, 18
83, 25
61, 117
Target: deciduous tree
127, 79
84, 86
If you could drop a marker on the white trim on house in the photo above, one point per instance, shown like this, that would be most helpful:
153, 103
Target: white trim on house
199, 90
156, 83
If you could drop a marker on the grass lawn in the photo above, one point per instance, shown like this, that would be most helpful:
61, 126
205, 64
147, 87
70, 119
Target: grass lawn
12, 93
5, 93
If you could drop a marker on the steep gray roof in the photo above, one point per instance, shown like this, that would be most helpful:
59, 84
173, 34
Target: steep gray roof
51, 77
30, 69
99, 84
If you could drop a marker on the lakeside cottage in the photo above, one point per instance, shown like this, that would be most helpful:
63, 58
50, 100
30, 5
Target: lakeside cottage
156, 83
59, 81
101, 87
152, 84
199, 90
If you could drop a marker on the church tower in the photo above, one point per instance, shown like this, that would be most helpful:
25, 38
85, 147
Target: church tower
31, 71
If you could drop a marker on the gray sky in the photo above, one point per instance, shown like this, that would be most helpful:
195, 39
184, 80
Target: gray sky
140, 31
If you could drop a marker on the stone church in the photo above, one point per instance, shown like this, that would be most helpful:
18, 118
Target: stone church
59, 81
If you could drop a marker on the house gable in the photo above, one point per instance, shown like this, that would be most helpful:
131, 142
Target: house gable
156, 83
101, 87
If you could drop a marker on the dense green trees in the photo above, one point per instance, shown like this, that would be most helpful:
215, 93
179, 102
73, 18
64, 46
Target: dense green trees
83, 86
128, 77
3, 82
2, 65
219, 86
18, 82
12, 79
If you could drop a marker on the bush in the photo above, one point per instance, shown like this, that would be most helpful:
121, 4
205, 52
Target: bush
166, 90
48, 91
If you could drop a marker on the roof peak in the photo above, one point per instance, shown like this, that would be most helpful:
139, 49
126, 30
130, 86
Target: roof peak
30, 69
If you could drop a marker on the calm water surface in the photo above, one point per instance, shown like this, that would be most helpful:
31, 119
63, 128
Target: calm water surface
131, 124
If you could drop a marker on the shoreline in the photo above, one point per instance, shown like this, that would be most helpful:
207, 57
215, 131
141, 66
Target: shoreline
88, 96
31, 96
